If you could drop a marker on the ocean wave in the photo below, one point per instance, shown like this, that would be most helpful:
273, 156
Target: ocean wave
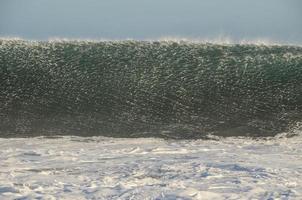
156, 88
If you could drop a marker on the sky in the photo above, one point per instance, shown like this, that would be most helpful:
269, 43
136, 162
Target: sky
275, 20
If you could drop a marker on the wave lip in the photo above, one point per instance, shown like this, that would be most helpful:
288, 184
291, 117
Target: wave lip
148, 88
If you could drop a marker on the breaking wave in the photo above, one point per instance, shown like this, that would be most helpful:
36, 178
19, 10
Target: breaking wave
172, 89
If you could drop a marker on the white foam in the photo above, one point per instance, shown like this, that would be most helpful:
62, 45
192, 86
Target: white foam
110, 168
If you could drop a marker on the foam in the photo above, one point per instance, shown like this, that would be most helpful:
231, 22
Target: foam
112, 168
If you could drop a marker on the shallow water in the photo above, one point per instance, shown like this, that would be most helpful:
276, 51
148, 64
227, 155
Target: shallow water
112, 168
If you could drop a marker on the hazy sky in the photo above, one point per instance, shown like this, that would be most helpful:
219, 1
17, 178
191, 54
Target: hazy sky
278, 20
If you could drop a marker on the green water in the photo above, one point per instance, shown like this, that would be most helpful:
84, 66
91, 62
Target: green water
148, 89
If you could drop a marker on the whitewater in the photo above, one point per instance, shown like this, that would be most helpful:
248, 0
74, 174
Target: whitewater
73, 167
150, 120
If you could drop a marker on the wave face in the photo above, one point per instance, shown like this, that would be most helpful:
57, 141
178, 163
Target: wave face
148, 89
